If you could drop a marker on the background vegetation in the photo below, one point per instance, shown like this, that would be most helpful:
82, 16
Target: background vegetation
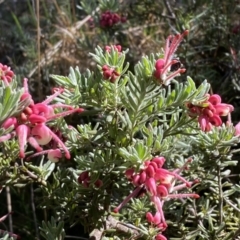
41, 37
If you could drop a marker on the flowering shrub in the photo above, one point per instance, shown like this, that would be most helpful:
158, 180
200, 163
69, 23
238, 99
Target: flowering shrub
150, 157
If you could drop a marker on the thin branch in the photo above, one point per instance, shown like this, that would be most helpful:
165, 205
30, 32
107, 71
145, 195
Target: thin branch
74, 237
231, 204
34, 213
112, 223
9, 207
39, 51
169, 8
220, 196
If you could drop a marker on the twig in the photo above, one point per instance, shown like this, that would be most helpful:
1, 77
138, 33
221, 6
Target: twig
74, 237
220, 196
111, 222
34, 213
32, 175
9, 207
169, 8
231, 204
39, 51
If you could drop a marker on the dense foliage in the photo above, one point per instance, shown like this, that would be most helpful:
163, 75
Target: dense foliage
139, 139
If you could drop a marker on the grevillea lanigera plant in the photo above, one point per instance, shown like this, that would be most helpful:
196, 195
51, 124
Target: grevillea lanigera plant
145, 157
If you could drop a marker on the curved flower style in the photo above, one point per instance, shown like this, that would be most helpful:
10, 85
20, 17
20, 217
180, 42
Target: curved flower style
160, 185
164, 66
30, 126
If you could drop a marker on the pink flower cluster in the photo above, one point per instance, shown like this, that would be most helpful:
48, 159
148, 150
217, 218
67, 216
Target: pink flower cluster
110, 73
163, 72
30, 125
85, 179
116, 47
108, 19
6, 74
159, 184
210, 111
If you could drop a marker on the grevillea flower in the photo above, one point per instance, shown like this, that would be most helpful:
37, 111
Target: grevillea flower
237, 129
31, 125
164, 67
6, 74
85, 178
115, 47
110, 73
159, 183
160, 237
108, 19
210, 111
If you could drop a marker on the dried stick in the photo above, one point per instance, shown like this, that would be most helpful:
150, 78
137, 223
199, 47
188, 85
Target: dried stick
9, 207
112, 223
34, 212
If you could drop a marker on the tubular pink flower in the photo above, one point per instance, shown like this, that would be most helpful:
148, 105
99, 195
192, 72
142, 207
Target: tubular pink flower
149, 217
154, 165
183, 195
42, 134
5, 137
135, 179
50, 98
129, 173
36, 119
42, 110
63, 114
202, 120
163, 66
237, 129
159, 205
150, 171
22, 133
6, 74
157, 218
12, 121
207, 112
143, 177
127, 199
215, 99
58, 140
54, 155
172, 44
159, 65
160, 237
162, 191
159, 160
151, 186
40, 153
215, 120
25, 85
165, 177
173, 75
34, 143
223, 109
